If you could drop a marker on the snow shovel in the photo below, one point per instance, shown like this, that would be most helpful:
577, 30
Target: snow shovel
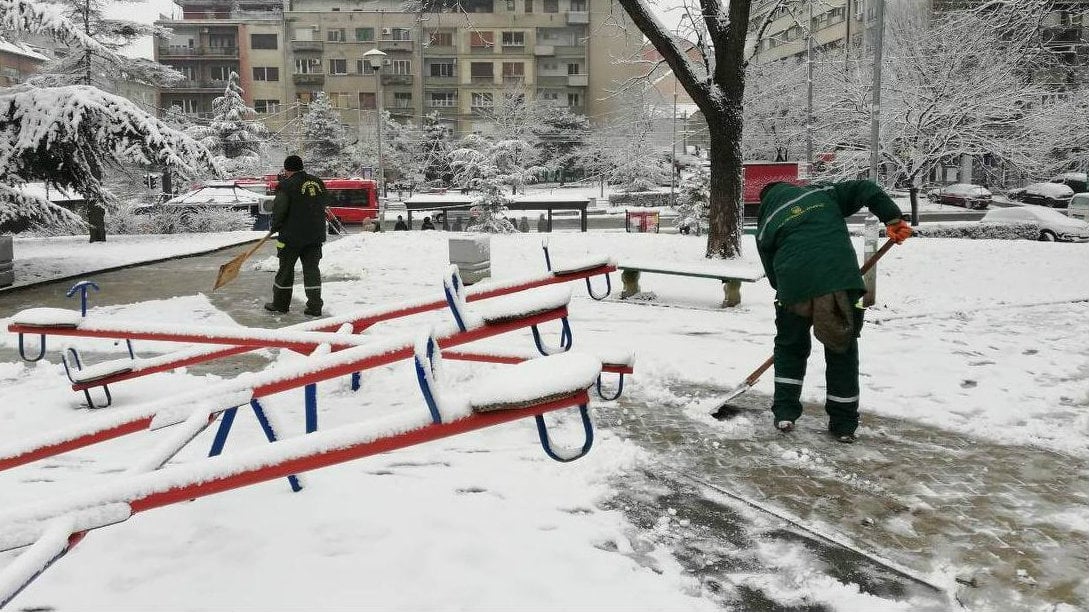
229, 271
724, 410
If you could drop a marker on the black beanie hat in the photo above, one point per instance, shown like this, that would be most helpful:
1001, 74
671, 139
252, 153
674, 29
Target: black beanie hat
293, 163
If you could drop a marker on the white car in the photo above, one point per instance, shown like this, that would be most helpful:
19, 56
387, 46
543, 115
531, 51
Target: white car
1054, 226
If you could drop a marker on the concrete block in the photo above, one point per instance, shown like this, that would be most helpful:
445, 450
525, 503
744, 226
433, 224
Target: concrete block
7, 252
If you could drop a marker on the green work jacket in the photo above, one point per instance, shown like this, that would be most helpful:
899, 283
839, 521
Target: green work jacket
298, 212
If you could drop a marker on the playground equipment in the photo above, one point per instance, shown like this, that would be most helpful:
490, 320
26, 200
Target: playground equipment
529, 387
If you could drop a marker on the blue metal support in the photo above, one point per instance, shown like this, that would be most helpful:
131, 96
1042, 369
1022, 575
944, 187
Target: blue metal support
311, 393
41, 349
455, 298
425, 374
548, 260
82, 287
619, 388
566, 338
356, 380
608, 288
227, 420
78, 365
566, 455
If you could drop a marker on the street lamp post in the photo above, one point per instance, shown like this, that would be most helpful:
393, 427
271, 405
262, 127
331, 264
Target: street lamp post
374, 57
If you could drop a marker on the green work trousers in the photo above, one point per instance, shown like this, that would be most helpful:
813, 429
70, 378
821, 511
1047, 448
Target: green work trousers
288, 254
793, 343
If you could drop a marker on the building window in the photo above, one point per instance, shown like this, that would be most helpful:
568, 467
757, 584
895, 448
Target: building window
514, 39
574, 100
551, 6
481, 71
367, 100
479, 39
363, 67
510, 6
442, 39
335, 35
221, 41
482, 100
402, 100
443, 99
189, 106
303, 34
514, 71
220, 73
400, 34
266, 73
578, 6
306, 97
529, 6
262, 41
550, 96
338, 67
441, 69
266, 106
339, 100
364, 34
307, 66
574, 69
401, 67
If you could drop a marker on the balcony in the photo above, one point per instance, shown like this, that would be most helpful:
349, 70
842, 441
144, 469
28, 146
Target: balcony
179, 51
199, 84
551, 80
308, 78
395, 46
514, 79
578, 80
544, 50
401, 111
307, 45
445, 51
476, 49
578, 17
571, 50
444, 111
440, 81
488, 80
396, 79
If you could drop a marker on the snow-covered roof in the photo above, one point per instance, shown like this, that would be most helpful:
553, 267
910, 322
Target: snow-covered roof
219, 194
21, 49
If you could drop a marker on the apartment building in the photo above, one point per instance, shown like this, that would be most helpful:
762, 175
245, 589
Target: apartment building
454, 63
216, 37
18, 61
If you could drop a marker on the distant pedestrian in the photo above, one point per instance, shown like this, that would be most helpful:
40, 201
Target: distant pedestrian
299, 218
427, 224
807, 255
400, 225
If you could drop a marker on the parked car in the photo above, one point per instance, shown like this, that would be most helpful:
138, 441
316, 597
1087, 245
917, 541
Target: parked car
1079, 207
1054, 195
236, 195
1077, 181
1054, 226
961, 194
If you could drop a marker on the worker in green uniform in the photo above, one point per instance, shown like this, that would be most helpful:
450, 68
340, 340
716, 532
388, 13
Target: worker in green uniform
298, 215
807, 255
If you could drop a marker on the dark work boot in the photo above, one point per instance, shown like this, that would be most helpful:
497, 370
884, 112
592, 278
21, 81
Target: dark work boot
313, 303
271, 306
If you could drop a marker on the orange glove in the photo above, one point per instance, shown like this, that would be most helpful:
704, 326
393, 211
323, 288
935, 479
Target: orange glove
898, 231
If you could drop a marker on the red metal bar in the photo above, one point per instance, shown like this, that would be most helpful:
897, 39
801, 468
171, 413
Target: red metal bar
136, 425
468, 356
301, 347
336, 456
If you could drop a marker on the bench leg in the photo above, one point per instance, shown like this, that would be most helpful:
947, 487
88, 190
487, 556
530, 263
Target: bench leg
631, 283
732, 289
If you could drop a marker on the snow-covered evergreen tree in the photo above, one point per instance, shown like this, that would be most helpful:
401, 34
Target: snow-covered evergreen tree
561, 135
474, 167
693, 200
66, 136
435, 147
326, 139
102, 65
232, 135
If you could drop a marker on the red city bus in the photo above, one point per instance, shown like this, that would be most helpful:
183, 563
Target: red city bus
351, 200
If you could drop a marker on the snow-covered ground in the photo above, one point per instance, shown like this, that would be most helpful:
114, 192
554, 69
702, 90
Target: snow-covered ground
981, 337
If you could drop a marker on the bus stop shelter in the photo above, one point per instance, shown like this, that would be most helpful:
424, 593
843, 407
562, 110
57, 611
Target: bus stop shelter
534, 202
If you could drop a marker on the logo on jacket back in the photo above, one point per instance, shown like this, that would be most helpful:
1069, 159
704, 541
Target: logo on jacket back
311, 188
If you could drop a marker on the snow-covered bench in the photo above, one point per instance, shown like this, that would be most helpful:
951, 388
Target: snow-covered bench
730, 274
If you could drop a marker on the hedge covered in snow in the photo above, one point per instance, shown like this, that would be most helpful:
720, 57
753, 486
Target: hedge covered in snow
639, 199
1019, 231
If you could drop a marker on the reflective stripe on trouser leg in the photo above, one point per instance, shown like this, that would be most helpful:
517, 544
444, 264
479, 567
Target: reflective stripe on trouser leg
285, 277
842, 380
792, 346
311, 256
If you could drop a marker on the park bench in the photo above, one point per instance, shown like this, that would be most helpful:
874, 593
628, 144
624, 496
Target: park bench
731, 274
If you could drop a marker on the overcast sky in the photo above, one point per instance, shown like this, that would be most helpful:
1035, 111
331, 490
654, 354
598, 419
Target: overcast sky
149, 10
